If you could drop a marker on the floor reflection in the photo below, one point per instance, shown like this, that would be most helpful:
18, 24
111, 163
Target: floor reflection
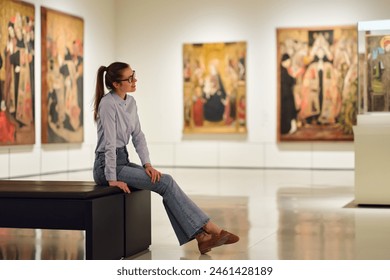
231, 213
17, 244
63, 245
30, 244
311, 227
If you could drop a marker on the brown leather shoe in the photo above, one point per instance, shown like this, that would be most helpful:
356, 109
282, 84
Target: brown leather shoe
232, 238
215, 241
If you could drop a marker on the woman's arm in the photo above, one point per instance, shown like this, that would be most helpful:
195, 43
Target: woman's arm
107, 115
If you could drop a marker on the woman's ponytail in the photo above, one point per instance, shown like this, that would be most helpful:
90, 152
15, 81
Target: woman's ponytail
99, 92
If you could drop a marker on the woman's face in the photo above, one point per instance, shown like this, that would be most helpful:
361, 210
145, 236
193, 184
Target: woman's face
128, 83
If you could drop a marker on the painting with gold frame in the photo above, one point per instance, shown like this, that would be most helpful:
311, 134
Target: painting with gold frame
214, 79
17, 90
317, 83
62, 77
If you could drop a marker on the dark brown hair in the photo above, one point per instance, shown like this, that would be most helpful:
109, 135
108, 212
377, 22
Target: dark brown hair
114, 74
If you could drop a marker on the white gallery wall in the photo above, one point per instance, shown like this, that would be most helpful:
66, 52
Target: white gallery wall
149, 34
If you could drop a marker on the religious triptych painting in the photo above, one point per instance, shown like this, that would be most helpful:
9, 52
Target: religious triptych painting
214, 78
17, 54
317, 83
62, 77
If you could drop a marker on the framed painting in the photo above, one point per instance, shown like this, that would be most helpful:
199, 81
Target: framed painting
62, 77
17, 90
214, 78
377, 61
317, 83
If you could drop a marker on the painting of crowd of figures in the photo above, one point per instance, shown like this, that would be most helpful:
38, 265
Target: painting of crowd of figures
17, 122
62, 77
317, 83
214, 78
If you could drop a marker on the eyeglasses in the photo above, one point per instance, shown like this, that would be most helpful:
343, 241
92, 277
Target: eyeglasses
129, 79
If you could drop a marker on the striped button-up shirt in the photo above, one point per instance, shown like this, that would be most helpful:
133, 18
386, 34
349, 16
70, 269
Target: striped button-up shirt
117, 122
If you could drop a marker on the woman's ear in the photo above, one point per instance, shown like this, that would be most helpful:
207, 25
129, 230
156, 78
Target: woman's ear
116, 84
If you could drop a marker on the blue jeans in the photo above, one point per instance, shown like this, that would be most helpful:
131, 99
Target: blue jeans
186, 217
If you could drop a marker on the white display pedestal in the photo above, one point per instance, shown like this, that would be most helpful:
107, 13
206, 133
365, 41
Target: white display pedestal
372, 159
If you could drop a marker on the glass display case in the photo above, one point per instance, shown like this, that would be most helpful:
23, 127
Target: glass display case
374, 66
372, 131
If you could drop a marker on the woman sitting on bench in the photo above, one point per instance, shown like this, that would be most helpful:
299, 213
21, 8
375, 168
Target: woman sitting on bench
117, 121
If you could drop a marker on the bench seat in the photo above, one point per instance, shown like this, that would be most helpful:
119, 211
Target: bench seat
113, 231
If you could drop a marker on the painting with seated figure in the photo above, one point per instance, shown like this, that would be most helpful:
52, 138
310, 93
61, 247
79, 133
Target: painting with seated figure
317, 83
214, 78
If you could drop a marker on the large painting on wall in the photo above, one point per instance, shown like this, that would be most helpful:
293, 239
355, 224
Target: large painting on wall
317, 83
17, 122
62, 77
214, 78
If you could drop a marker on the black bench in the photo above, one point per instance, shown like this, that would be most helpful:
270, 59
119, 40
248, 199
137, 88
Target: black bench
117, 225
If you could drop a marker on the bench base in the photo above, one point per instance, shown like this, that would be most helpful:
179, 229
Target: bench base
117, 225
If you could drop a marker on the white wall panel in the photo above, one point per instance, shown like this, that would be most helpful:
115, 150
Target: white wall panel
162, 153
4, 163
233, 154
80, 157
342, 178
24, 160
196, 182
294, 155
197, 153
54, 158
333, 155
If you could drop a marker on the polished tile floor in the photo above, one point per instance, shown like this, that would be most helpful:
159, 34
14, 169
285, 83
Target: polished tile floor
279, 215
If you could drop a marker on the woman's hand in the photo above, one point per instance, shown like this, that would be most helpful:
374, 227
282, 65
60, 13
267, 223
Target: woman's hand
154, 174
122, 185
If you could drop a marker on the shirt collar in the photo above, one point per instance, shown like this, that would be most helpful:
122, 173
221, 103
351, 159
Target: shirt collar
118, 99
